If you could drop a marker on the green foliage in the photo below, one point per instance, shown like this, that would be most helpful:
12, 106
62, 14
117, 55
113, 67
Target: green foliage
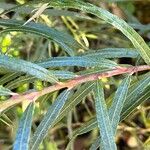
118, 102
45, 61
128, 31
26, 67
103, 119
47, 122
24, 129
63, 39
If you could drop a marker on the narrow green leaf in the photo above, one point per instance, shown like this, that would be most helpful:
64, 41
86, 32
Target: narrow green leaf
93, 71
112, 53
103, 120
4, 91
63, 74
118, 102
65, 40
116, 108
48, 120
77, 61
127, 110
120, 24
23, 133
90, 125
19, 65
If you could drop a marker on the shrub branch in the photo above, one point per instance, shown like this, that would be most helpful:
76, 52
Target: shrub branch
69, 84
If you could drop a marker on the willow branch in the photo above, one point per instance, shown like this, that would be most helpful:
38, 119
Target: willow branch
70, 84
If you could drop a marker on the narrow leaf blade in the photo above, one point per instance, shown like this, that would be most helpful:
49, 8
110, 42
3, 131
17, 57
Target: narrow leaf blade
116, 108
77, 61
112, 53
23, 133
48, 120
19, 65
118, 102
103, 120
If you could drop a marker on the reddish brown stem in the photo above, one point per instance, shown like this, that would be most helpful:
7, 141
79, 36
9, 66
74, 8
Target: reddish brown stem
70, 84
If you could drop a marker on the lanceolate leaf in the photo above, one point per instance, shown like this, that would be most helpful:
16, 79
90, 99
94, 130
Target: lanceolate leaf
116, 108
118, 102
19, 65
79, 95
136, 39
63, 39
112, 53
77, 61
128, 109
103, 120
23, 133
48, 120
86, 127
120, 24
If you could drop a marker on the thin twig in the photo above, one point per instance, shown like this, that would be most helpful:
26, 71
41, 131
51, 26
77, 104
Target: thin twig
69, 84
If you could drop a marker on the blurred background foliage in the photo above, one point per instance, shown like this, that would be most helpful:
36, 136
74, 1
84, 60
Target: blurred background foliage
133, 133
